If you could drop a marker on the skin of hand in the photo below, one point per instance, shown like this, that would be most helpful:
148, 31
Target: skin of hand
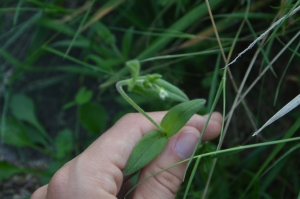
97, 171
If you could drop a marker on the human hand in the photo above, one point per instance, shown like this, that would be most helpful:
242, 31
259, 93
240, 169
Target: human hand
97, 172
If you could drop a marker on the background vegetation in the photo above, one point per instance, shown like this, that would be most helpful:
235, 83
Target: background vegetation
60, 61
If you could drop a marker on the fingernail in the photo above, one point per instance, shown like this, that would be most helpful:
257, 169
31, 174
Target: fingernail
186, 144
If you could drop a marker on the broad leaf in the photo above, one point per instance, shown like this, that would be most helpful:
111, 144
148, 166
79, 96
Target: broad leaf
83, 96
63, 143
93, 117
179, 115
13, 133
150, 146
36, 137
23, 108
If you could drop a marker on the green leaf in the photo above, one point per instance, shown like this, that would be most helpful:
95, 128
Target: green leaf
23, 108
127, 42
106, 64
134, 66
104, 33
63, 143
149, 92
14, 133
153, 86
174, 93
7, 170
83, 96
93, 117
35, 136
179, 115
150, 146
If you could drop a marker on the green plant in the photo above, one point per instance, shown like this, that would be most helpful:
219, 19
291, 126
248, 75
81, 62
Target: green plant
60, 59
154, 142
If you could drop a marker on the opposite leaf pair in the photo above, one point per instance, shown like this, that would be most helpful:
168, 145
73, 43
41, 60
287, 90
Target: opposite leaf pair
152, 144
152, 86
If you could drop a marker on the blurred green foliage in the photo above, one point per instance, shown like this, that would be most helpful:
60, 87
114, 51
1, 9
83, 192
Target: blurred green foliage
61, 59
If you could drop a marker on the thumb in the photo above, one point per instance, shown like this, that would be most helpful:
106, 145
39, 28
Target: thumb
167, 183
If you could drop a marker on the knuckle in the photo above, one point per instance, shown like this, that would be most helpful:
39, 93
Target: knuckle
168, 181
106, 177
58, 183
130, 117
38, 194
101, 178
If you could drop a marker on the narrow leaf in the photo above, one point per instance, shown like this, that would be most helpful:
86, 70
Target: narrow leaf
179, 115
173, 92
149, 147
144, 91
80, 27
127, 42
134, 66
287, 108
159, 89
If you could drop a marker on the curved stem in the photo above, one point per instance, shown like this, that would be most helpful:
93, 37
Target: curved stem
130, 101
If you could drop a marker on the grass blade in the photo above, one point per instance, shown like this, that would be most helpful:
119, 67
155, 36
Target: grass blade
17, 12
286, 109
277, 149
79, 28
279, 21
179, 25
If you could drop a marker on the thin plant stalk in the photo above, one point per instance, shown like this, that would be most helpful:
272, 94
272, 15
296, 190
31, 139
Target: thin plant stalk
119, 86
200, 138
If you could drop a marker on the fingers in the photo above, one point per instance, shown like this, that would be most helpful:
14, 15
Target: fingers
40, 193
97, 172
179, 147
116, 144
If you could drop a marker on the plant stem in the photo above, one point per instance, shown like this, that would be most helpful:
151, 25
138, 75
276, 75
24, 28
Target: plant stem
119, 86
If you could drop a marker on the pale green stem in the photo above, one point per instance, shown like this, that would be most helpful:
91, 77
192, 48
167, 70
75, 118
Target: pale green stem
200, 139
130, 101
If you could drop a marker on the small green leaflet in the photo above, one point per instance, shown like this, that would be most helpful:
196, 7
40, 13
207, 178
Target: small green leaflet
179, 115
150, 146
134, 66
83, 96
